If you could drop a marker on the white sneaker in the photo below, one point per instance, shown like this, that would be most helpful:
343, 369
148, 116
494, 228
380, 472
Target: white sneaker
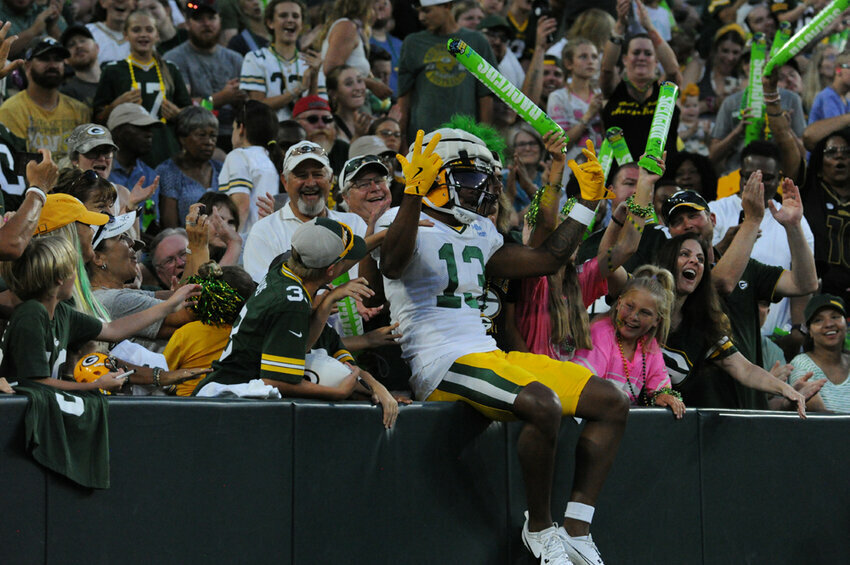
581, 549
549, 545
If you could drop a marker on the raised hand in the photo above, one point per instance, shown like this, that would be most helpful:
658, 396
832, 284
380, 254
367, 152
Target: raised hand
590, 176
791, 212
424, 165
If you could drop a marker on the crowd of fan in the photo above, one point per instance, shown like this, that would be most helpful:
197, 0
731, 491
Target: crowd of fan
158, 158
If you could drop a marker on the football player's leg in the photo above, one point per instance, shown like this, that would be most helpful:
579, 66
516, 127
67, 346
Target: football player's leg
606, 409
539, 407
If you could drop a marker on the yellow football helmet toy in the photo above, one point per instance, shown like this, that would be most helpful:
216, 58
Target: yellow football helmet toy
92, 367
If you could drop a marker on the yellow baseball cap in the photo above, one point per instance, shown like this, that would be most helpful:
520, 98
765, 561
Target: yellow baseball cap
62, 209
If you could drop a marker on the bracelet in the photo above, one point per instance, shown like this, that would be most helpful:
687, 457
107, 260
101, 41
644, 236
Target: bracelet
771, 94
666, 390
637, 209
616, 221
633, 222
582, 214
610, 259
156, 374
38, 192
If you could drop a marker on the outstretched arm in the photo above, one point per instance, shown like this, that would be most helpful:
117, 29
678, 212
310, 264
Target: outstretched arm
517, 261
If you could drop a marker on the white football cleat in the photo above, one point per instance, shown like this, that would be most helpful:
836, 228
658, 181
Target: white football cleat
548, 545
581, 549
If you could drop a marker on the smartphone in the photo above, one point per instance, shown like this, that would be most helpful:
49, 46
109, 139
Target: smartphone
541, 9
24, 157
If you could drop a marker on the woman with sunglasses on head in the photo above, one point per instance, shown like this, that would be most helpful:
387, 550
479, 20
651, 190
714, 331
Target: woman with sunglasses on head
193, 171
633, 95
113, 265
253, 167
525, 174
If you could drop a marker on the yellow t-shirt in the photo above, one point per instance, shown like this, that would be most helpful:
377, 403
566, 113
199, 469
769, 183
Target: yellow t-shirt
195, 346
42, 128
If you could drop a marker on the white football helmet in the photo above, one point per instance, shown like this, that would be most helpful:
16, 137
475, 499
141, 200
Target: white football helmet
467, 164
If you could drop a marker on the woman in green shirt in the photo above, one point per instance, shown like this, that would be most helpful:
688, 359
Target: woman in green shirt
144, 78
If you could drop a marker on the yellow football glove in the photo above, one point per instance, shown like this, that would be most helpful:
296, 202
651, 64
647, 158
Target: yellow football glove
590, 176
423, 167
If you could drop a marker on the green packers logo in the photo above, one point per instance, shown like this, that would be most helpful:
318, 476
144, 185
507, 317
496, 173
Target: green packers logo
442, 69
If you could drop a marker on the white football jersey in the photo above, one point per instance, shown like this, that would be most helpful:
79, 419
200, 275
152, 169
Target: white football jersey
435, 301
263, 71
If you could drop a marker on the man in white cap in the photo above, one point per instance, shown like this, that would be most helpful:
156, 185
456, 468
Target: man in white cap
306, 177
432, 85
364, 186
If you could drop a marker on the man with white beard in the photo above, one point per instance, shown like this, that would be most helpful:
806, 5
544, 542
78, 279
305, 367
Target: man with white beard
306, 177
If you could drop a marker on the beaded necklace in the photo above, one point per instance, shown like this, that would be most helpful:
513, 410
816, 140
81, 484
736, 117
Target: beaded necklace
642, 379
280, 60
134, 84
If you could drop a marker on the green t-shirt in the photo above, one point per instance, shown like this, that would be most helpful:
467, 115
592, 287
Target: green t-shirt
35, 347
115, 81
439, 86
269, 337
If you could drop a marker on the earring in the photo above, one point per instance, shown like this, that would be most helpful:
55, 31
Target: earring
103, 266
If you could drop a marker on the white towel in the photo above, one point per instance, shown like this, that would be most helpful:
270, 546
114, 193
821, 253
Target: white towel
252, 389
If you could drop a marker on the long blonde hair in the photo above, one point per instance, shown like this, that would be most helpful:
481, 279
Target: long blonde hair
567, 314
659, 284
811, 78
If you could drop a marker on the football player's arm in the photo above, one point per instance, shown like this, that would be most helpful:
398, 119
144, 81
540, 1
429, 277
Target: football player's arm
516, 261
358, 289
420, 173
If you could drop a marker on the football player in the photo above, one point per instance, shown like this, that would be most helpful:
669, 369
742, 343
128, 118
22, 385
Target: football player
436, 272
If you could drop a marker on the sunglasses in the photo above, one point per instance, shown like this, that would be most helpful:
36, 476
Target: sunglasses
88, 176
389, 133
837, 151
315, 119
358, 162
307, 148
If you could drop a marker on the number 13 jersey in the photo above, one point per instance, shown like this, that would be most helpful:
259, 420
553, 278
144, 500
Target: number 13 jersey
435, 301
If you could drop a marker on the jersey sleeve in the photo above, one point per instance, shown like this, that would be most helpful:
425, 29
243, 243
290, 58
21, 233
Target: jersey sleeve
181, 93
765, 277
253, 73
84, 328
721, 350
26, 347
656, 371
285, 345
235, 175
174, 350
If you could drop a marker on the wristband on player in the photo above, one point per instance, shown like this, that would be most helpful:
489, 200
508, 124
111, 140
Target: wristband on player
38, 192
582, 214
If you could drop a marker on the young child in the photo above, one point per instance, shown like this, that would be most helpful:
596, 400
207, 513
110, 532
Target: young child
695, 133
626, 343
253, 167
44, 327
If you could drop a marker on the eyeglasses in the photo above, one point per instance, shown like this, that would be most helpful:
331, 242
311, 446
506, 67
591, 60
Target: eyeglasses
525, 144
833, 152
98, 152
389, 133
365, 184
171, 261
315, 119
